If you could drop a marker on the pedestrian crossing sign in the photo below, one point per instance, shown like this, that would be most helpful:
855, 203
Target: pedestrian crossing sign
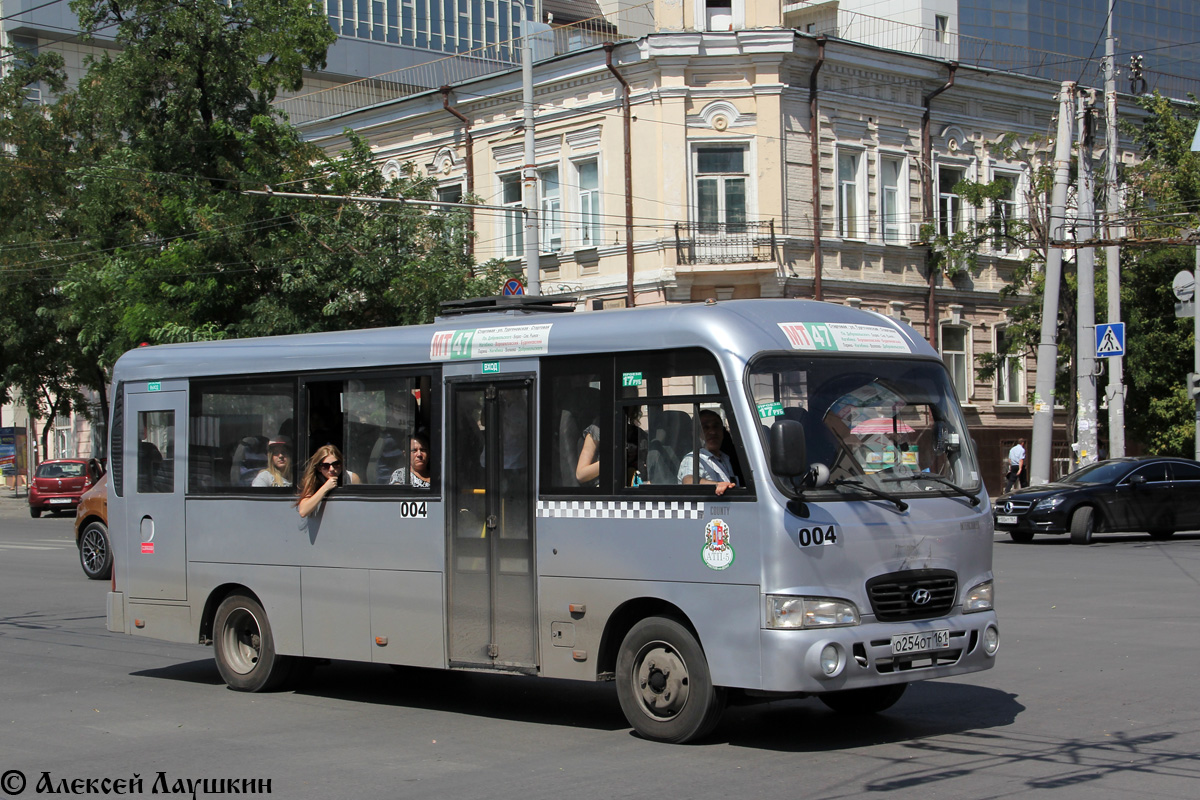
1110, 339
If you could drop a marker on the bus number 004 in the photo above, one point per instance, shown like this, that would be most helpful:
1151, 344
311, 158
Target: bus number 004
818, 536
414, 510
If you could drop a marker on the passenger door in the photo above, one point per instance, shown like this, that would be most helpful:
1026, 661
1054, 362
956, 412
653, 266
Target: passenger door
492, 598
1186, 492
1149, 505
154, 471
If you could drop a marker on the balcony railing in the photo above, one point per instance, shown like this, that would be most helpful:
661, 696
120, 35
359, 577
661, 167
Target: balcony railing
724, 242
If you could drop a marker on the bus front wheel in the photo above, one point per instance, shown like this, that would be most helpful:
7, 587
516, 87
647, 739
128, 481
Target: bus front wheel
244, 647
663, 683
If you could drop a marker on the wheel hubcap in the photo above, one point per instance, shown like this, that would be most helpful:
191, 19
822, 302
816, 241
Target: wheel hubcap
93, 550
661, 680
243, 641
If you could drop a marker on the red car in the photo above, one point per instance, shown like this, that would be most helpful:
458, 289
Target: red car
57, 485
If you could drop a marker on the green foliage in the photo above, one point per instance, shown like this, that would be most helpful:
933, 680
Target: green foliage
1163, 197
125, 217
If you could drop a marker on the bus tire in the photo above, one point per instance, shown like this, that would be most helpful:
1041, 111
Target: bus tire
1161, 534
1082, 526
244, 647
95, 554
870, 700
663, 683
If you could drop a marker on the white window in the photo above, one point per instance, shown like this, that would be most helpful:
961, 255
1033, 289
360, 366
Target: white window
1004, 213
940, 23
589, 203
514, 221
550, 240
850, 222
721, 188
956, 342
893, 198
950, 205
1009, 372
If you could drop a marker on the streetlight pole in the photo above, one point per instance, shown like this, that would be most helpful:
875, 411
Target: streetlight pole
1115, 394
1047, 354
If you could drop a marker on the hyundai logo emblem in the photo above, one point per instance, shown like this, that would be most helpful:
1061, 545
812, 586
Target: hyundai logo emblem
921, 597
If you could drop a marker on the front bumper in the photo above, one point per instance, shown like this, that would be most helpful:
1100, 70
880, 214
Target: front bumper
791, 658
1053, 521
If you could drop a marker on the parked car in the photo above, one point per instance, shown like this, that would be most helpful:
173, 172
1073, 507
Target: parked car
1157, 495
57, 485
91, 531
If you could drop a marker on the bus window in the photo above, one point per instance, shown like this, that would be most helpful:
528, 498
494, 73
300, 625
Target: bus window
231, 426
387, 431
677, 392
577, 407
156, 452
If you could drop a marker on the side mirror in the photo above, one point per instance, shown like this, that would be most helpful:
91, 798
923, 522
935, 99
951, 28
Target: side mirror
789, 456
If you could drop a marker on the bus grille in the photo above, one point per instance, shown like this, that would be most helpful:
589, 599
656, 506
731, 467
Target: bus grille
897, 597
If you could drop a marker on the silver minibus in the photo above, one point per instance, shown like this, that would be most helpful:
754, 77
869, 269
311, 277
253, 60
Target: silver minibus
728, 500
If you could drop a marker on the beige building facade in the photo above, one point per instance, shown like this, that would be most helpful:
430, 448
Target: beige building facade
762, 162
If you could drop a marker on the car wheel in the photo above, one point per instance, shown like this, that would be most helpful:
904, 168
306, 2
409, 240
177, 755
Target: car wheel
244, 647
35, 512
1082, 525
870, 700
663, 683
1021, 537
95, 554
1161, 534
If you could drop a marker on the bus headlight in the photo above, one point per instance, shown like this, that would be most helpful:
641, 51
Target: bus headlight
786, 611
979, 598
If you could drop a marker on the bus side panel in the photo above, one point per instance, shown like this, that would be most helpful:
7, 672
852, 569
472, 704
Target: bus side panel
726, 617
348, 532
337, 613
170, 622
277, 588
406, 618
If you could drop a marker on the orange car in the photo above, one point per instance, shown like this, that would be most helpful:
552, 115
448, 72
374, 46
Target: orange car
91, 531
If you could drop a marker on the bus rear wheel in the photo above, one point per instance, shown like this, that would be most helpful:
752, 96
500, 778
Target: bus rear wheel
870, 700
244, 647
664, 685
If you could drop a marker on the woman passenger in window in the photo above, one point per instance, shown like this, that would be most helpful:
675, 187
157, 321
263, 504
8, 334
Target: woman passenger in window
715, 466
417, 472
322, 474
279, 464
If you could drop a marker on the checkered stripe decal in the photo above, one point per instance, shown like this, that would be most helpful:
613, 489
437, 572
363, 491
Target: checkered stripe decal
590, 509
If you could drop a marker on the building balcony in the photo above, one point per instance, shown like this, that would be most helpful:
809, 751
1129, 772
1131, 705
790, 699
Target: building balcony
724, 242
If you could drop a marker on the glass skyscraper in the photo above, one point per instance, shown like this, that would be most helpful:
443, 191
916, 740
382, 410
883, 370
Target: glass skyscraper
1064, 40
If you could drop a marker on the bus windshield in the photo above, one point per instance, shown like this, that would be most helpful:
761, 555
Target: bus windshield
894, 425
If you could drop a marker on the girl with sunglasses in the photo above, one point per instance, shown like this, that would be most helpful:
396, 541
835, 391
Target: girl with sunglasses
322, 474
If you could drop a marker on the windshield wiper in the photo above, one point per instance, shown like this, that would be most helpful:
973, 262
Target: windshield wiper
925, 476
891, 498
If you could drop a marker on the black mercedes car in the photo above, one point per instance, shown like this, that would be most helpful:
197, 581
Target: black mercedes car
1157, 495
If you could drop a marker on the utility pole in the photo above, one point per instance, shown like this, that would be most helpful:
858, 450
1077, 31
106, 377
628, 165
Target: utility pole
529, 172
1115, 392
1085, 317
1047, 355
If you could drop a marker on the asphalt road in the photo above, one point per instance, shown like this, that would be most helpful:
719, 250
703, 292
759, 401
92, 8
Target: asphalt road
1094, 696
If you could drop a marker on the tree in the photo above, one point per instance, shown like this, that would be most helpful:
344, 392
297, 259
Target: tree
36, 356
1163, 202
135, 215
